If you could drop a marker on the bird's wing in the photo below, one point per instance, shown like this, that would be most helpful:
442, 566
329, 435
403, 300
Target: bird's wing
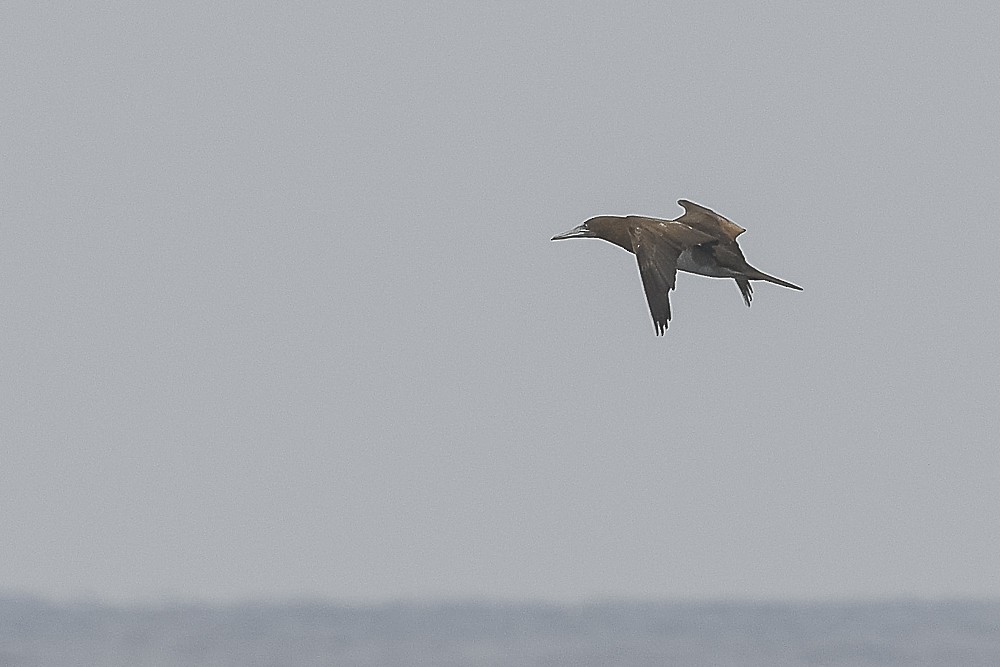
708, 221
656, 244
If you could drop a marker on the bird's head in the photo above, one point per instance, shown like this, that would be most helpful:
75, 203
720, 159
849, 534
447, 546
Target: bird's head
613, 228
578, 232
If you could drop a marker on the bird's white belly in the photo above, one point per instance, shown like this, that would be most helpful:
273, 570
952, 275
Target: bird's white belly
685, 262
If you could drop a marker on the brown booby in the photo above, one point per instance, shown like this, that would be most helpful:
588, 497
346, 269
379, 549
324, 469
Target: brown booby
700, 241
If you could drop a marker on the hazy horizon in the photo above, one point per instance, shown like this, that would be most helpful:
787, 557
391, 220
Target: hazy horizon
883, 634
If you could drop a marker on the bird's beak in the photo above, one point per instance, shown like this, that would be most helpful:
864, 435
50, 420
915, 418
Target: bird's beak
576, 232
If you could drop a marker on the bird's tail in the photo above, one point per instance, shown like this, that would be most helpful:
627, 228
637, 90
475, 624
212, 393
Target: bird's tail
760, 275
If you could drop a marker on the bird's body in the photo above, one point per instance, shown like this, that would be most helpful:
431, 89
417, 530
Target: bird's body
702, 262
701, 241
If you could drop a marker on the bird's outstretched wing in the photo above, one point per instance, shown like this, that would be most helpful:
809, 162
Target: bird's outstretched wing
657, 244
746, 289
708, 221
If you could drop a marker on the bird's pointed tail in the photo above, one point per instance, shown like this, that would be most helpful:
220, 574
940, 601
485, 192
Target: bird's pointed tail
760, 275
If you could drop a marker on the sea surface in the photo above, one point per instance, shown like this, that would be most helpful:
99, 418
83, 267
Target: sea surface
37, 633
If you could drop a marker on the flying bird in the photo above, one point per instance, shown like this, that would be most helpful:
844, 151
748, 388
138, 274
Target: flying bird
700, 241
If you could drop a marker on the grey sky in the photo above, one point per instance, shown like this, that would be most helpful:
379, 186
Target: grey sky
281, 316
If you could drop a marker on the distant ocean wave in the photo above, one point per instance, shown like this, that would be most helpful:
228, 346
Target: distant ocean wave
41, 633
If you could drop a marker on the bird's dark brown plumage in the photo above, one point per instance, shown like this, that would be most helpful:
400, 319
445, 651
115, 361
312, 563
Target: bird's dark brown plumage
700, 241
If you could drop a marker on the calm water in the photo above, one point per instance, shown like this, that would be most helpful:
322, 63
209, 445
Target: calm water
39, 633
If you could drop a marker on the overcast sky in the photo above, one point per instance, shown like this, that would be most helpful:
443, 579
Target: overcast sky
281, 316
